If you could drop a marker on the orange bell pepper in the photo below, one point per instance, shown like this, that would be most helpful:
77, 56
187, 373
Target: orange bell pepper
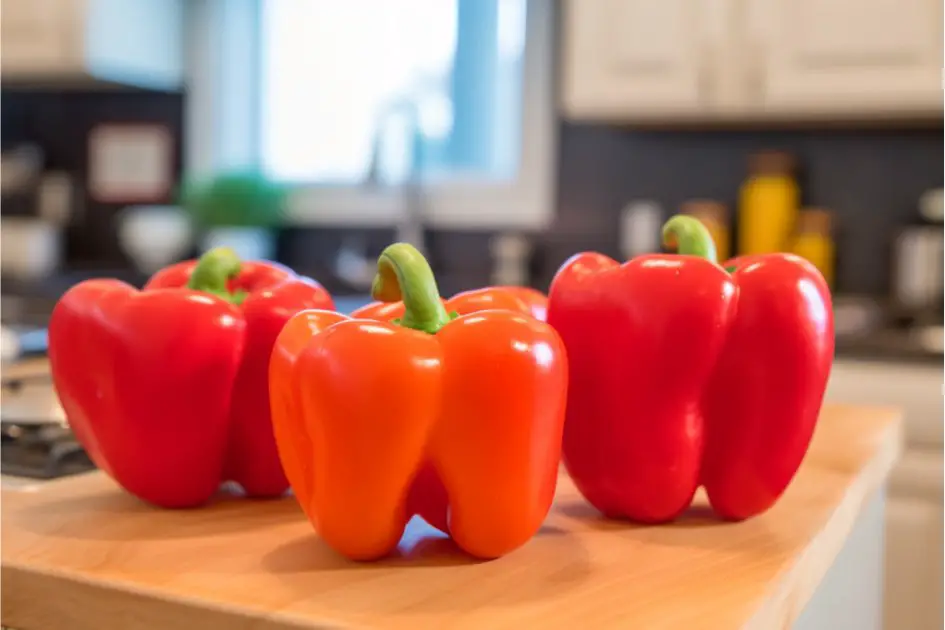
457, 419
464, 303
535, 300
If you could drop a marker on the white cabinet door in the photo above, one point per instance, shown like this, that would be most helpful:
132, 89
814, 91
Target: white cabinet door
635, 59
850, 595
846, 57
135, 42
913, 597
34, 34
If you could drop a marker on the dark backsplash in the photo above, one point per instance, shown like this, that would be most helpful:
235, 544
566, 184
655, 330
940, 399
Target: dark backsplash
461, 260
59, 123
871, 179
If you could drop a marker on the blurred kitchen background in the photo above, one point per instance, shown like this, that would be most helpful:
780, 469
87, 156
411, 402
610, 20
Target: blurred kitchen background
499, 136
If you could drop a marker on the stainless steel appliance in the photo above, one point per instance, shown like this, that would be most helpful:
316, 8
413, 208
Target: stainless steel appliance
918, 254
36, 441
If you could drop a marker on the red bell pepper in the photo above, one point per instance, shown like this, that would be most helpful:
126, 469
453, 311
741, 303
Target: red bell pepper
167, 388
686, 374
456, 419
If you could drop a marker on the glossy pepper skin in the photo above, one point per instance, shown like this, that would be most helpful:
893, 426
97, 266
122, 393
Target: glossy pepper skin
464, 303
763, 400
536, 301
457, 419
683, 374
167, 388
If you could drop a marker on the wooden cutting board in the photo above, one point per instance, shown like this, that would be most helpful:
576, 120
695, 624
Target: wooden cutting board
79, 554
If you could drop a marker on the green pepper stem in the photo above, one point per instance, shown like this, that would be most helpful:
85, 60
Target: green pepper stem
689, 237
404, 274
212, 272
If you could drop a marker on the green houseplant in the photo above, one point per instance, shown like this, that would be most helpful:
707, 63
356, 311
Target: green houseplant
236, 209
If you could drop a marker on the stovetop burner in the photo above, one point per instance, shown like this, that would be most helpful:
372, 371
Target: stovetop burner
36, 443
41, 451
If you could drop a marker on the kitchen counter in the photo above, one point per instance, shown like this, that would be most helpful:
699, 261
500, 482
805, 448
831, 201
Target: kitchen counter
21, 484
813, 561
893, 346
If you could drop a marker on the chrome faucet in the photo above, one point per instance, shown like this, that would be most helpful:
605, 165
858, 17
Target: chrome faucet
410, 225
352, 264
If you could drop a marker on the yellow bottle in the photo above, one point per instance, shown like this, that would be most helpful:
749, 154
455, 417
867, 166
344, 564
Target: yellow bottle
714, 217
768, 203
814, 242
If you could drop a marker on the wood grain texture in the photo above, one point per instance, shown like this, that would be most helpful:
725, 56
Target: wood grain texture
79, 554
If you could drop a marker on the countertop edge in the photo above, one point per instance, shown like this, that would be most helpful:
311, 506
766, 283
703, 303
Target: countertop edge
138, 608
796, 586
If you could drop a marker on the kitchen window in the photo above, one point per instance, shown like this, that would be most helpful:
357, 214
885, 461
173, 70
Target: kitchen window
346, 100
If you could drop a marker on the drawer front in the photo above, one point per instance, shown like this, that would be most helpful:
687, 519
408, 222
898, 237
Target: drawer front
914, 581
918, 475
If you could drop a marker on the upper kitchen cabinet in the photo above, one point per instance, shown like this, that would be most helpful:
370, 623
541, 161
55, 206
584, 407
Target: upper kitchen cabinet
634, 58
849, 57
708, 60
63, 43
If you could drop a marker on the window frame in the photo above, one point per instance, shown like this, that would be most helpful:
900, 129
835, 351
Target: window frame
223, 75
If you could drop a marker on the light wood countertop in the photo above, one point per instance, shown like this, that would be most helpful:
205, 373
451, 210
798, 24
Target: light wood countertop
36, 366
80, 554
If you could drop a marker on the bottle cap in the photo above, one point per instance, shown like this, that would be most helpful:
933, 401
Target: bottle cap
771, 163
706, 210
